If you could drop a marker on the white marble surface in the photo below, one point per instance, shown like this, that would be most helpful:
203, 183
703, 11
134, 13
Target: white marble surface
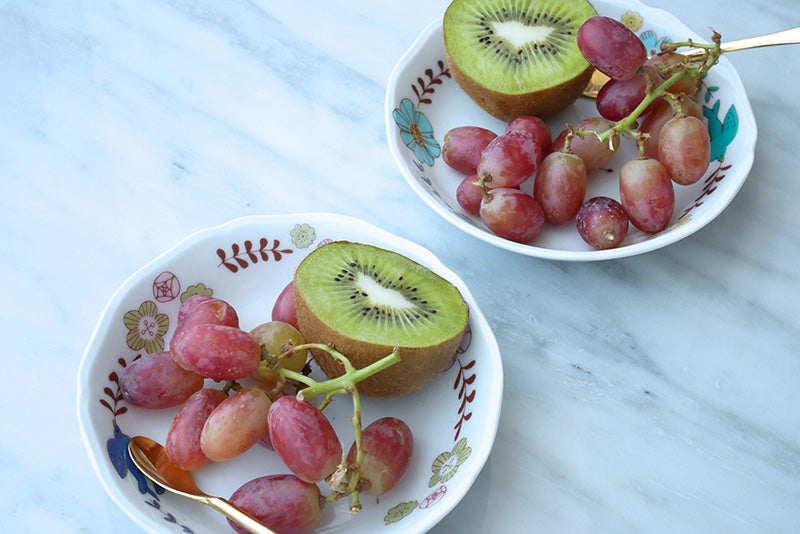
659, 393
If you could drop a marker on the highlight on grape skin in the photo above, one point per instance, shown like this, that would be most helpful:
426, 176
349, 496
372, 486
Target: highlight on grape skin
236, 424
304, 439
611, 47
183, 437
647, 194
512, 214
463, 146
155, 381
204, 309
602, 222
389, 445
510, 159
216, 351
282, 502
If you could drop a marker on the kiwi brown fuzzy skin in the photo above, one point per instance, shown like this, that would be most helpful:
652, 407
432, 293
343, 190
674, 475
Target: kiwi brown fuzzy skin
418, 366
508, 107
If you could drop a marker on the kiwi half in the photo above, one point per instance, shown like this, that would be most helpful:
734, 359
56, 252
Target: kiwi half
365, 301
517, 57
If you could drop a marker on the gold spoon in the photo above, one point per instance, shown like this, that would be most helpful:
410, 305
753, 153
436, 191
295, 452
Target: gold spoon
790, 36
151, 458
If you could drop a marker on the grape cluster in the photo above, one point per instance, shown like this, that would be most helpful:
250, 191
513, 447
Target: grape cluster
651, 100
215, 423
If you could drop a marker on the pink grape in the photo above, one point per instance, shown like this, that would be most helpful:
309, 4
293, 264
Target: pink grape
284, 503
611, 47
155, 381
654, 121
202, 309
183, 437
591, 150
463, 146
216, 351
684, 147
469, 195
190, 304
388, 445
236, 424
602, 222
535, 125
512, 214
647, 194
283, 309
560, 186
510, 159
304, 439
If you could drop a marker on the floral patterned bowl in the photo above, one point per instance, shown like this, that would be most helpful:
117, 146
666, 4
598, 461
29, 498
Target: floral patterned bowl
247, 262
423, 102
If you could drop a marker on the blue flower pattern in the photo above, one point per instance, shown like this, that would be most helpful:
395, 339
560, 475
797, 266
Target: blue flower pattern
416, 132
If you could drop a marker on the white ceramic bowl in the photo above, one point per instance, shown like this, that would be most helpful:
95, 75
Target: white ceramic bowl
421, 91
247, 262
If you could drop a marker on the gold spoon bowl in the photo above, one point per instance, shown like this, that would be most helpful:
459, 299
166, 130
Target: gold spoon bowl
152, 460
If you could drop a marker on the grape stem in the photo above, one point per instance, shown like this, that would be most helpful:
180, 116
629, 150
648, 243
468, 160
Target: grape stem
627, 124
344, 384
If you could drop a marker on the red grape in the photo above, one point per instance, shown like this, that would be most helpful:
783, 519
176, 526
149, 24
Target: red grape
684, 147
602, 222
512, 214
216, 351
535, 125
283, 309
647, 194
560, 186
156, 381
618, 98
469, 195
388, 445
284, 503
202, 309
183, 437
304, 439
611, 47
510, 159
236, 424
591, 150
463, 146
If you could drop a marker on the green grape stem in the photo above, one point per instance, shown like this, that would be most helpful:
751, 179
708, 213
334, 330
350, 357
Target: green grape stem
344, 384
627, 124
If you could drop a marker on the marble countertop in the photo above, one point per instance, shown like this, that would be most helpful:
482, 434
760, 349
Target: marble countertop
658, 393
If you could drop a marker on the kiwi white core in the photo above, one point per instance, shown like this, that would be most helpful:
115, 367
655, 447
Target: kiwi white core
520, 35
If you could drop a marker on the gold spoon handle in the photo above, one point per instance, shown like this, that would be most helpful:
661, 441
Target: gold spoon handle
790, 36
229, 510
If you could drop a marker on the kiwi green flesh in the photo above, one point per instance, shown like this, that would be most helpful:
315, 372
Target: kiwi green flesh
379, 296
516, 46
